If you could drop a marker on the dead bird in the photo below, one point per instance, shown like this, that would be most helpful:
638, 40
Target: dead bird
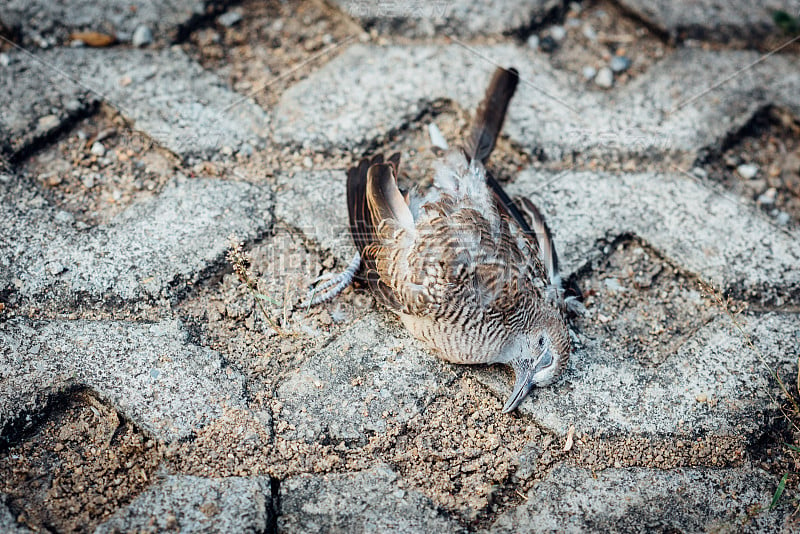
469, 271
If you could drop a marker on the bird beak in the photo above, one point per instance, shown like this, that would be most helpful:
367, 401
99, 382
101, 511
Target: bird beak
524, 371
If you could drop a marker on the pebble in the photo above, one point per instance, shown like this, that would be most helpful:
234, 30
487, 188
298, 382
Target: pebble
5, 60
768, 197
589, 32
98, 149
307, 163
782, 218
142, 36
533, 41
547, 44
604, 78
230, 18
48, 122
747, 171
699, 172
88, 181
558, 33
589, 72
620, 63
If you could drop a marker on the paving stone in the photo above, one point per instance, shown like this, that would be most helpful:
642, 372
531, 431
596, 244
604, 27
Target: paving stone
572, 499
152, 249
712, 20
165, 94
412, 18
315, 203
196, 504
678, 216
370, 501
373, 372
47, 23
153, 373
348, 102
34, 105
604, 393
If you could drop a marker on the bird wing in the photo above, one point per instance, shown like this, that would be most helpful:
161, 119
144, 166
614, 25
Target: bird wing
364, 225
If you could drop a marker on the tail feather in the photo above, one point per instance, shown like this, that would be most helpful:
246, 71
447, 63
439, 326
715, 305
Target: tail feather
491, 114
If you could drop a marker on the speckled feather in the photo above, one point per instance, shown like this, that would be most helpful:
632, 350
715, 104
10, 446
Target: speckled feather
461, 265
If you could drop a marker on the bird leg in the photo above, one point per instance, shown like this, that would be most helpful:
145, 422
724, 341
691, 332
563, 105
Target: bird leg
335, 285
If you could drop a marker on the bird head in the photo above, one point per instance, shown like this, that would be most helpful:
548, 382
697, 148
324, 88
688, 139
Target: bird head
538, 356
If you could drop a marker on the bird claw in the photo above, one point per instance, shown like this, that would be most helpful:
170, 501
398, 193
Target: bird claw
335, 284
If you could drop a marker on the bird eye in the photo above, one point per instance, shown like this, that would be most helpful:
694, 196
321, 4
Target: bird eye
541, 341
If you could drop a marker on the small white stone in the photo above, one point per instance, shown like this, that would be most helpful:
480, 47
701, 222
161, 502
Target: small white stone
558, 33
88, 181
5, 60
589, 32
533, 41
589, 72
230, 18
48, 122
142, 36
783, 218
604, 78
699, 172
768, 197
307, 163
747, 171
98, 149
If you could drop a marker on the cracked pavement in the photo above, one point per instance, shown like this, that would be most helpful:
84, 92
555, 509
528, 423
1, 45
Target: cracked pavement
126, 340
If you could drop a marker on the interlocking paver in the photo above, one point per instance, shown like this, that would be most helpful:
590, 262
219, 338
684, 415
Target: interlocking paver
163, 382
676, 214
372, 372
332, 402
312, 202
47, 23
711, 20
654, 115
165, 94
606, 394
369, 501
150, 250
197, 504
460, 17
572, 499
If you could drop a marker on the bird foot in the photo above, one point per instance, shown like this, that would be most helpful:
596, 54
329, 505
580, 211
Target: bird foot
334, 284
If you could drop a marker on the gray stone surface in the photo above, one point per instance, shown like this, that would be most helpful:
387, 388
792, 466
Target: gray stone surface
315, 202
676, 214
449, 17
604, 393
372, 501
194, 504
372, 373
572, 499
712, 20
36, 100
45, 23
152, 373
151, 250
656, 114
165, 95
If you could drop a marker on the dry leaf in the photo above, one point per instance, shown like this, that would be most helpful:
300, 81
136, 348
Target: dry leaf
96, 39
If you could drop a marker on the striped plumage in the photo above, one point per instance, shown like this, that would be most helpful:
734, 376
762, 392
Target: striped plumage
460, 264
